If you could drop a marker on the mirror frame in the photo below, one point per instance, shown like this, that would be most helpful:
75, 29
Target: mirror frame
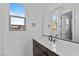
73, 25
73, 21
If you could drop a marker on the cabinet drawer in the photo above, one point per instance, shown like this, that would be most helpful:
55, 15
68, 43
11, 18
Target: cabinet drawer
43, 48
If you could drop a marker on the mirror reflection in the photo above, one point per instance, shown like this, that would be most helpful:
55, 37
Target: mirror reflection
62, 23
66, 23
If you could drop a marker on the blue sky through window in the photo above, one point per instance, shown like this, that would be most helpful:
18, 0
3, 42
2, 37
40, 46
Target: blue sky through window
17, 9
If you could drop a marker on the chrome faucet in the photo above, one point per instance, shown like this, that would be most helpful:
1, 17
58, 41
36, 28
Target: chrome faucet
50, 37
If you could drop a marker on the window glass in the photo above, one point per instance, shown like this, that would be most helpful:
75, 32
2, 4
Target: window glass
17, 9
17, 21
17, 17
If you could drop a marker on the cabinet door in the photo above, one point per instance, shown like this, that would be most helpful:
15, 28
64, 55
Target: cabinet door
38, 49
35, 50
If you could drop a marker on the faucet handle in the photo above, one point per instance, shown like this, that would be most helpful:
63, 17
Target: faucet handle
50, 37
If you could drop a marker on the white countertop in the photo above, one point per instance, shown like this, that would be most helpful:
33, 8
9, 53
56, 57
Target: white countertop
60, 47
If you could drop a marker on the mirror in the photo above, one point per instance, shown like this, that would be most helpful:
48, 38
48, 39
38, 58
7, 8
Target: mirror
66, 25
62, 23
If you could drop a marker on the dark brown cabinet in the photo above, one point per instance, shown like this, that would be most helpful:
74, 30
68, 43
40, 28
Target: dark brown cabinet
40, 50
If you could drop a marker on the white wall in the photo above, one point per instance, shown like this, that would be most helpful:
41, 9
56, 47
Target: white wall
46, 23
34, 14
19, 43
15, 42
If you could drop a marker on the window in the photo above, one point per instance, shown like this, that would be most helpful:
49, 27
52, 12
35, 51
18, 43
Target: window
17, 17
54, 23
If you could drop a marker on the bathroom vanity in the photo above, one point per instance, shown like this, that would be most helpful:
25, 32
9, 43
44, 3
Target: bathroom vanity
41, 50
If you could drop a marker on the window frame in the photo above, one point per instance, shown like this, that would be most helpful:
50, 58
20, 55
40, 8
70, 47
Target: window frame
17, 16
